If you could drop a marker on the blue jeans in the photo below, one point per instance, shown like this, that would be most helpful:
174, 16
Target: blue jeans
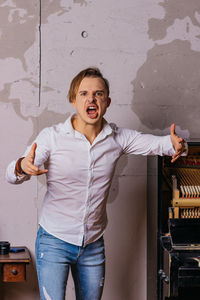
54, 259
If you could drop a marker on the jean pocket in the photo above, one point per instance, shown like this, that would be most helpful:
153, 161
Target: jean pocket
43, 232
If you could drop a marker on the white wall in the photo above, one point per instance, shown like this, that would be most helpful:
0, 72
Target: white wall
149, 51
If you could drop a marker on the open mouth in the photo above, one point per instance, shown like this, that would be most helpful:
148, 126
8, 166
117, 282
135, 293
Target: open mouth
92, 112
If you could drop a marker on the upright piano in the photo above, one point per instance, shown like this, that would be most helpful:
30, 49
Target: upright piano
178, 236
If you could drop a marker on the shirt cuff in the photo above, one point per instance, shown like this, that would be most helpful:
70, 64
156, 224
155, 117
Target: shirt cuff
168, 148
11, 176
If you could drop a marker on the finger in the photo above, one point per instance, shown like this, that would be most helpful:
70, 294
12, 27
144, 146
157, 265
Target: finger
32, 151
36, 173
32, 169
178, 153
173, 160
39, 172
179, 139
172, 129
180, 148
175, 157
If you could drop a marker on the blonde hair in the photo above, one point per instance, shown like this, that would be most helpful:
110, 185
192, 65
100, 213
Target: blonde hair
76, 81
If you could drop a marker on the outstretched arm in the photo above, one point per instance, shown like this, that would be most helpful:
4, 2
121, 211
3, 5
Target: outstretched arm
178, 144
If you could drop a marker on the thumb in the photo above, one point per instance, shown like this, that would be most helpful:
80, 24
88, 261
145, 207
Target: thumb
172, 129
32, 151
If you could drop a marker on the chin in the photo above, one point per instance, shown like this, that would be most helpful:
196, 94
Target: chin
94, 120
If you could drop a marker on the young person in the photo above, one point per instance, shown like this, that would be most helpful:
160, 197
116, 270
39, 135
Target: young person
80, 157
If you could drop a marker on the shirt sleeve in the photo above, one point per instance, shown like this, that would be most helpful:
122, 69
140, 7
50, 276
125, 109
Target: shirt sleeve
41, 156
134, 142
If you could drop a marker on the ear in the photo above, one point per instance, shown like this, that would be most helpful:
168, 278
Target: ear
73, 103
108, 101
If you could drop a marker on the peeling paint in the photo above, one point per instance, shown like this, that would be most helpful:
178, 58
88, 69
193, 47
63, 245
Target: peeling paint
49, 8
171, 95
174, 9
166, 86
18, 29
187, 27
82, 2
19, 22
40, 117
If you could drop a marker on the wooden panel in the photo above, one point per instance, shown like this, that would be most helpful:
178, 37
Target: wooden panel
14, 272
16, 257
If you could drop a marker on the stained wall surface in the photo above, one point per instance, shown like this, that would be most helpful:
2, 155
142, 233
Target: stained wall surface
149, 50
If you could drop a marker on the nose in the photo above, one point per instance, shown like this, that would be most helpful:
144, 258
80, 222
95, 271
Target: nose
90, 98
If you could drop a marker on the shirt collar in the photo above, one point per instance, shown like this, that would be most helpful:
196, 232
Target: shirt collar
68, 128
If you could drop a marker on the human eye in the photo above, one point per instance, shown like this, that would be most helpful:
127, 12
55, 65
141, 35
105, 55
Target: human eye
99, 93
84, 93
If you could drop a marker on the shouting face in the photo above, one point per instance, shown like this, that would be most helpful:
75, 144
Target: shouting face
91, 101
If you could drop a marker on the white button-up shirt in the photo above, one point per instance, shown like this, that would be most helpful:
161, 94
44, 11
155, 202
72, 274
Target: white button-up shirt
79, 175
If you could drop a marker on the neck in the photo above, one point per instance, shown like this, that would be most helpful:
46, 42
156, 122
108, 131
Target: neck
90, 131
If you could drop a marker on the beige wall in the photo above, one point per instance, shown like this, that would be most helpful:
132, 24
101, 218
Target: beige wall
149, 50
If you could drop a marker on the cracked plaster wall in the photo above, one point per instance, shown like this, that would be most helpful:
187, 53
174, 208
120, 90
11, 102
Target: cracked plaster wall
149, 51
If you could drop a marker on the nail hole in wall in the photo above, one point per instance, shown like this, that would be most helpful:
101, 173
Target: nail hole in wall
84, 34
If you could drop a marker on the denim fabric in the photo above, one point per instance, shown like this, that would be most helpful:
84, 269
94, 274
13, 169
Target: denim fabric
54, 259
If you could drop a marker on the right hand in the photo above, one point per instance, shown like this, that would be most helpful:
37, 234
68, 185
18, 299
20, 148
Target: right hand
27, 164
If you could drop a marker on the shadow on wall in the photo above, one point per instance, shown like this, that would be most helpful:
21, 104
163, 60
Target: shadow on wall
22, 17
127, 224
167, 89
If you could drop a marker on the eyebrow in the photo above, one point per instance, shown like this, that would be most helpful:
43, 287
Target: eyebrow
101, 91
94, 91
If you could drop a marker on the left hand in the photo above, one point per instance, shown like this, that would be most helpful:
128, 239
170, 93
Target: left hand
177, 142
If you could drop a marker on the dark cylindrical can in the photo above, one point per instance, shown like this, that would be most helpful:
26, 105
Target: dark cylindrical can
4, 247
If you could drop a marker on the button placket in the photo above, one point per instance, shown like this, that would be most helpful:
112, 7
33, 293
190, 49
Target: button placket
90, 179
